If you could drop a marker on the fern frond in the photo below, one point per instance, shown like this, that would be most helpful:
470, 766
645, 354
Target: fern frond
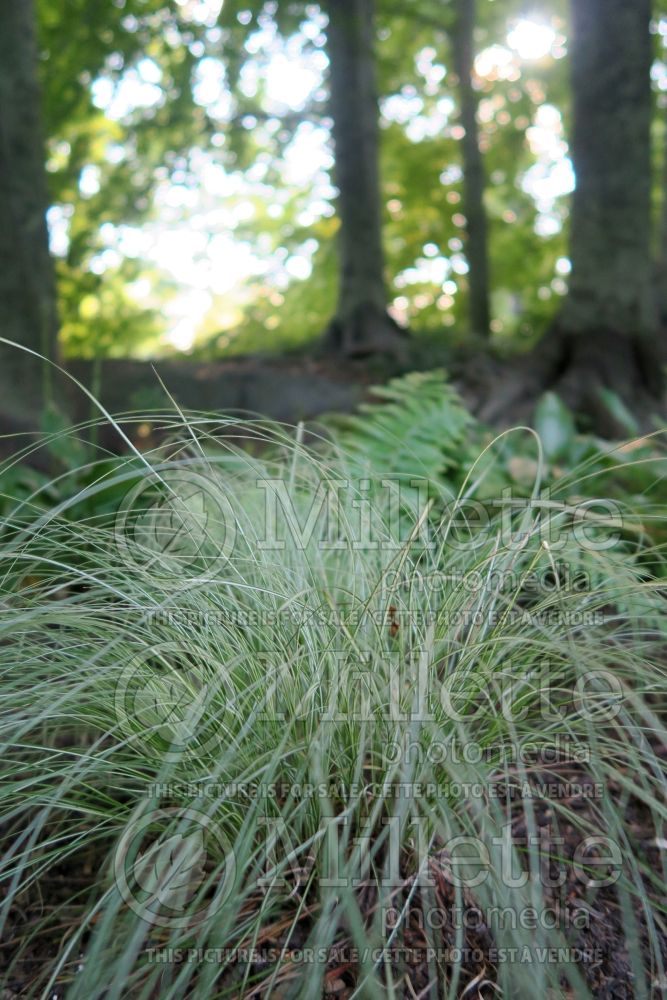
417, 427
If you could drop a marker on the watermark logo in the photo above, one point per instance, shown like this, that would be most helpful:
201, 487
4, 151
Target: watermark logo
173, 701
175, 522
160, 867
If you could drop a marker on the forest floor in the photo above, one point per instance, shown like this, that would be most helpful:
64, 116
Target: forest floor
592, 918
301, 385
500, 387
289, 388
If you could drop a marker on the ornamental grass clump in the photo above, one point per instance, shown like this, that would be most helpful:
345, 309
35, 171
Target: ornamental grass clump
276, 723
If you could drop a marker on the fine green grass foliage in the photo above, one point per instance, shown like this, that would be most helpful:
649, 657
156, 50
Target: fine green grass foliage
277, 707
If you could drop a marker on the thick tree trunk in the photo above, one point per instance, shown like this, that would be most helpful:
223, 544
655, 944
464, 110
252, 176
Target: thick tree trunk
27, 287
608, 317
474, 180
361, 325
660, 271
606, 336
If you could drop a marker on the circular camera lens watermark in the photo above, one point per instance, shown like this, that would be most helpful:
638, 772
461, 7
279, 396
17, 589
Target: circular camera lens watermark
176, 523
160, 867
173, 701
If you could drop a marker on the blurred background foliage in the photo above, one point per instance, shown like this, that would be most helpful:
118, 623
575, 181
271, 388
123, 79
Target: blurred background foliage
189, 153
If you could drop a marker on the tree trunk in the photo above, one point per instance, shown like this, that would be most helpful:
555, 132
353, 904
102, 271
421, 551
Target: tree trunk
361, 325
608, 321
474, 181
660, 270
27, 286
606, 336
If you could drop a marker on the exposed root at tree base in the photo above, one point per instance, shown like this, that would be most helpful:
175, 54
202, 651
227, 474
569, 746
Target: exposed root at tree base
578, 368
366, 331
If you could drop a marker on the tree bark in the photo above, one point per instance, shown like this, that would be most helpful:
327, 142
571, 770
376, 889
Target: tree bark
609, 319
361, 325
27, 285
606, 335
474, 180
660, 270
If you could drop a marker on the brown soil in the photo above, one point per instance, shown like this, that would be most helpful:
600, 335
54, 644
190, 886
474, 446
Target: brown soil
590, 918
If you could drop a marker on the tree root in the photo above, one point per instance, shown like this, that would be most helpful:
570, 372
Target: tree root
364, 332
577, 368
